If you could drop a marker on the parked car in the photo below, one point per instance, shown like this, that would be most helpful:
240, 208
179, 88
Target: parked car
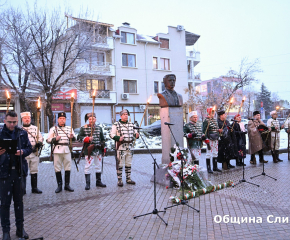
77, 131
153, 129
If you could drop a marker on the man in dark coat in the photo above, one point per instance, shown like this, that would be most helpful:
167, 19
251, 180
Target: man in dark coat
13, 168
240, 132
227, 143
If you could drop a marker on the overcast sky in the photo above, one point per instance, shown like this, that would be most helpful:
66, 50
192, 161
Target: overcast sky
230, 30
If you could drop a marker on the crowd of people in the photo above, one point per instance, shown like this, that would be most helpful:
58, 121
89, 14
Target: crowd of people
226, 141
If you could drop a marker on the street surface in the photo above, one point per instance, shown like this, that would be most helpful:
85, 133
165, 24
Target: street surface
107, 213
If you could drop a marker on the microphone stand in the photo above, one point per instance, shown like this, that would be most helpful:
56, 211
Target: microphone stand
263, 172
155, 211
243, 179
21, 182
182, 202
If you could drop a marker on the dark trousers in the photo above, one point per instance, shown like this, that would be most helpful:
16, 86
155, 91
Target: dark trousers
11, 187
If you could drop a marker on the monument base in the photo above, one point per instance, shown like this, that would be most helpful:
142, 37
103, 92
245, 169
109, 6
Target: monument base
160, 177
171, 115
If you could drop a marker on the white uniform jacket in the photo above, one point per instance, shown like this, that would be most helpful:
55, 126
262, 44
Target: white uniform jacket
61, 146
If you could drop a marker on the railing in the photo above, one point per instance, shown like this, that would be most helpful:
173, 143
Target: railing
101, 93
197, 76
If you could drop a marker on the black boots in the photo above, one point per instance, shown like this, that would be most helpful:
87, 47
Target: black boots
208, 166
261, 157
6, 236
214, 164
99, 181
88, 181
34, 188
239, 162
277, 156
59, 182
67, 181
23, 235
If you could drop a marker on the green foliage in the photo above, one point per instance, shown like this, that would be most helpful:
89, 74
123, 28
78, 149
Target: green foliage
265, 97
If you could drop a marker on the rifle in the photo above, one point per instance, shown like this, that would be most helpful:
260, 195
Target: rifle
274, 155
116, 155
207, 134
85, 145
52, 148
74, 159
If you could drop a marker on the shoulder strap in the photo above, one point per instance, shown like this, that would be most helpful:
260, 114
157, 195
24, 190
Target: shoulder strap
29, 133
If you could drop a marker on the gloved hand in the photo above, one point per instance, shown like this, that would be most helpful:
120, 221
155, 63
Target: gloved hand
189, 135
87, 140
206, 141
38, 145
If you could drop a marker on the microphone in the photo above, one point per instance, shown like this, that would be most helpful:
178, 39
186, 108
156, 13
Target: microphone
234, 120
167, 123
137, 127
251, 119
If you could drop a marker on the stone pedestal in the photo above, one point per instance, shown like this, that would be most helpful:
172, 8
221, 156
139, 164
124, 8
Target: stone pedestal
171, 115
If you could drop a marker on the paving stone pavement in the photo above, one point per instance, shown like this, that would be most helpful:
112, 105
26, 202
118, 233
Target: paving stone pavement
107, 213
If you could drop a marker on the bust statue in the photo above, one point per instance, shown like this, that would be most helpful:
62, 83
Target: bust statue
169, 97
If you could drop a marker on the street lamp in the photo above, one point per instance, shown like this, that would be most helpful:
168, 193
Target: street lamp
277, 108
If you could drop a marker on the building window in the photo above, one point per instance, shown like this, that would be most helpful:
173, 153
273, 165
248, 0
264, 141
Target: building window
128, 38
128, 60
130, 86
164, 43
156, 87
94, 58
162, 86
155, 63
98, 58
95, 84
164, 64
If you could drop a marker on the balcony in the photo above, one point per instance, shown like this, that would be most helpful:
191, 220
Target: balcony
194, 56
103, 43
97, 68
102, 96
101, 93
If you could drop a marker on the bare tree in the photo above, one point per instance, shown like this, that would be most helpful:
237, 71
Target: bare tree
222, 89
249, 102
243, 77
14, 74
52, 50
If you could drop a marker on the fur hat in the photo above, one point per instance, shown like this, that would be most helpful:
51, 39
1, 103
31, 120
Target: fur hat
88, 115
61, 114
124, 111
256, 112
221, 112
273, 112
25, 114
192, 114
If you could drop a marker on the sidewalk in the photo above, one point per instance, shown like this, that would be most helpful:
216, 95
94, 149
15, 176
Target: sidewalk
108, 213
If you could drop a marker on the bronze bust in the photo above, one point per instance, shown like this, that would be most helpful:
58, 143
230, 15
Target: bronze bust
169, 97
